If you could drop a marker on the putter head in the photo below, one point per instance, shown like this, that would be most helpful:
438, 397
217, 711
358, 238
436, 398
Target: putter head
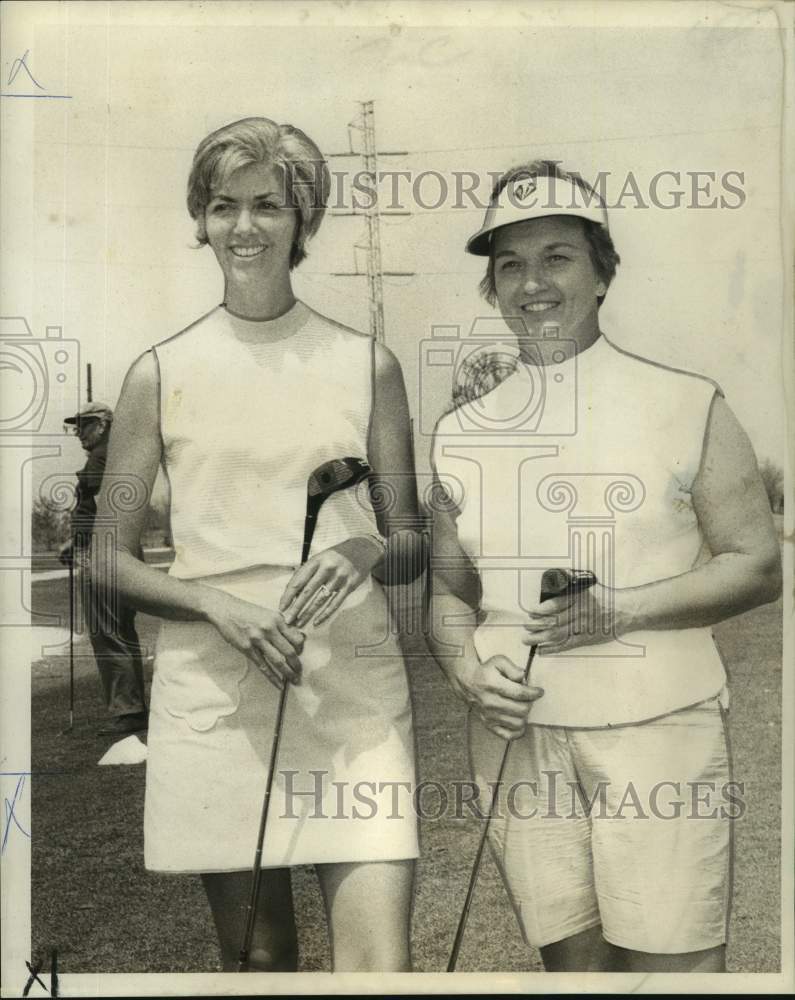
337, 474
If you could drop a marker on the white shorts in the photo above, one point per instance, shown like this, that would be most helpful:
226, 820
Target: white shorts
627, 827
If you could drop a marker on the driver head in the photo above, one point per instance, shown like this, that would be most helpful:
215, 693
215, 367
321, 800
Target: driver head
337, 474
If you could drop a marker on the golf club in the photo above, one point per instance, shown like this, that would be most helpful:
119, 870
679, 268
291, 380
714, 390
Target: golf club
554, 583
328, 478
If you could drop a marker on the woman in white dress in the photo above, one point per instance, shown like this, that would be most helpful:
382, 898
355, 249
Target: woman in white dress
613, 835
239, 409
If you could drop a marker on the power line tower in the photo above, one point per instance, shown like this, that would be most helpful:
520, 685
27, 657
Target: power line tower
365, 124
375, 281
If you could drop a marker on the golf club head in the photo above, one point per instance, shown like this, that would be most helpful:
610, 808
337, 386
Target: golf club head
556, 582
337, 474
330, 477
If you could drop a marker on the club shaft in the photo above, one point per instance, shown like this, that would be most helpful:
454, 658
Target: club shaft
313, 505
256, 873
462, 923
312, 508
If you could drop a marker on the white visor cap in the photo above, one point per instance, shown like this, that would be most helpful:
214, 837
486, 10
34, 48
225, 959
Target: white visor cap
534, 198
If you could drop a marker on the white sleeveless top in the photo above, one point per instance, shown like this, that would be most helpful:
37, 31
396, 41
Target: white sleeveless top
587, 463
248, 410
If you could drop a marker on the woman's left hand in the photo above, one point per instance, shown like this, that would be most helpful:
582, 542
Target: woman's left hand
318, 588
598, 614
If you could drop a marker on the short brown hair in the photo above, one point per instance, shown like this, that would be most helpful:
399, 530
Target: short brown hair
260, 140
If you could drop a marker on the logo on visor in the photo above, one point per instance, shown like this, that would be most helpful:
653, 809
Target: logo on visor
523, 189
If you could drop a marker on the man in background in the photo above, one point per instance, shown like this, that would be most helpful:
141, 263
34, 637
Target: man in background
111, 624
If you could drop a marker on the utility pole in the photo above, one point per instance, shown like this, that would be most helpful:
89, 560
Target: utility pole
409, 600
89, 387
375, 282
372, 213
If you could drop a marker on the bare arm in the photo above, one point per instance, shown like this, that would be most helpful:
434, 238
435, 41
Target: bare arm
343, 567
134, 454
733, 511
493, 689
391, 456
744, 570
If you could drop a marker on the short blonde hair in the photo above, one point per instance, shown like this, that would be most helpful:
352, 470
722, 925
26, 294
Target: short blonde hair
260, 140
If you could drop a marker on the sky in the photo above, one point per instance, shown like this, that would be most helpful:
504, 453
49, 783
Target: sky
102, 245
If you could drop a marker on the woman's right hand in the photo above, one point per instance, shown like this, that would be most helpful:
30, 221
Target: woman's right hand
259, 633
495, 691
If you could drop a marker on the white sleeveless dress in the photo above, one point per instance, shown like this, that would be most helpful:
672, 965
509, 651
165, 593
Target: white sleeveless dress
248, 411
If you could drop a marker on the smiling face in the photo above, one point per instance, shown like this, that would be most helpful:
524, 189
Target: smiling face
544, 277
250, 226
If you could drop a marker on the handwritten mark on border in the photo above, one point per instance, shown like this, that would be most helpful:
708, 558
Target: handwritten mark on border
10, 814
16, 67
34, 975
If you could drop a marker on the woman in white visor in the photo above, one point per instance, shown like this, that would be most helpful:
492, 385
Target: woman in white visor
612, 832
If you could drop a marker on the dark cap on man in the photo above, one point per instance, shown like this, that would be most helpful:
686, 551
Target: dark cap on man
91, 411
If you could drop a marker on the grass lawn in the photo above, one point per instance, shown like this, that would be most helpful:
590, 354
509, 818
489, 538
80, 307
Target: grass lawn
92, 898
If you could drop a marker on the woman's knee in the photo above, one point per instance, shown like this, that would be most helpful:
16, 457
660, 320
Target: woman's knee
366, 956
586, 951
368, 907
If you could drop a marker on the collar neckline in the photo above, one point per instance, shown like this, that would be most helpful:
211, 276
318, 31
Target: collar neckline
268, 330
589, 354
